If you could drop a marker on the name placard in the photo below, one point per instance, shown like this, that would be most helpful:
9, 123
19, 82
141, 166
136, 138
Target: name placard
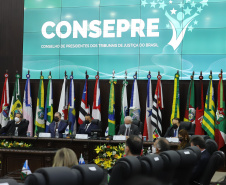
173, 139
43, 134
81, 136
119, 137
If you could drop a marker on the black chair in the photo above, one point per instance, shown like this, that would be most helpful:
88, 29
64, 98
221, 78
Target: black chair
171, 161
184, 171
211, 146
90, 173
195, 149
188, 126
216, 161
54, 176
205, 137
8, 182
97, 122
139, 124
151, 165
124, 169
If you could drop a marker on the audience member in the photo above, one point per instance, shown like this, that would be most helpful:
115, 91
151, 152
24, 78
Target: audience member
202, 162
128, 128
160, 145
87, 126
184, 139
65, 157
173, 130
18, 123
134, 145
57, 125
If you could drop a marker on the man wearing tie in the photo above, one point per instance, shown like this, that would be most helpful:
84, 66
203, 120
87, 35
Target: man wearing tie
57, 125
128, 128
87, 126
173, 130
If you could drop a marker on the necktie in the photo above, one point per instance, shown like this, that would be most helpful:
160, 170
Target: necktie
175, 133
127, 132
56, 124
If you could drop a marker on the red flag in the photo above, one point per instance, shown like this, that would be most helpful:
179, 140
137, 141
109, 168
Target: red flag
199, 110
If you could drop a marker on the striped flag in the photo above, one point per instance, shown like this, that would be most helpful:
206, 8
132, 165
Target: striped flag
49, 104
96, 112
220, 127
199, 109
85, 108
124, 102
63, 104
148, 127
156, 116
27, 105
16, 105
190, 107
209, 112
176, 99
134, 110
39, 114
71, 107
111, 109
4, 108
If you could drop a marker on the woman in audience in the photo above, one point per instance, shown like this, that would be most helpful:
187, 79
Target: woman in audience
65, 157
184, 139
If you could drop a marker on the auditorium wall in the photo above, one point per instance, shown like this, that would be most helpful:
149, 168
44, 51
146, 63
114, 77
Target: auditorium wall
11, 53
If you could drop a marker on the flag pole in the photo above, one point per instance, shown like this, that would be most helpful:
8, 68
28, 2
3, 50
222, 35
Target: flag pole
113, 74
125, 75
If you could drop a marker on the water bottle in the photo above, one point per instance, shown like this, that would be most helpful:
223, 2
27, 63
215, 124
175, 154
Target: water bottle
149, 150
16, 132
56, 134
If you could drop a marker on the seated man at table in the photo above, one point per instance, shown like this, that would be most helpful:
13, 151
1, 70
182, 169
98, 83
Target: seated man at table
87, 126
173, 130
57, 125
128, 128
11, 126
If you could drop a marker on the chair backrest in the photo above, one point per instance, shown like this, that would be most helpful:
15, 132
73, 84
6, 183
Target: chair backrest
171, 161
125, 168
211, 146
97, 122
184, 171
139, 124
195, 149
216, 161
185, 125
205, 137
91, 173
53, 176
151, 164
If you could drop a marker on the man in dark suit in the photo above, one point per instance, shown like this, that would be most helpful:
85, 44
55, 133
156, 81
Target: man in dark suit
87, 126
18, 123
173, 130
57, 125
134, 145
203, 161
128, 128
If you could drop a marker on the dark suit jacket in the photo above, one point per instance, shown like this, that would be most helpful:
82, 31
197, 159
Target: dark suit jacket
200, 166
134, 130
9, 129
61, 128
88, 131
170, 132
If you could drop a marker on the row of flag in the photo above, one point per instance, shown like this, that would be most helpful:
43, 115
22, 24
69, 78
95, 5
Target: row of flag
207, 118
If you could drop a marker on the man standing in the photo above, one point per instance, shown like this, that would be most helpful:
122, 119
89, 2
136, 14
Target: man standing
128, 128
173, 130
17, 123
203, 161
87, 126
57, 125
